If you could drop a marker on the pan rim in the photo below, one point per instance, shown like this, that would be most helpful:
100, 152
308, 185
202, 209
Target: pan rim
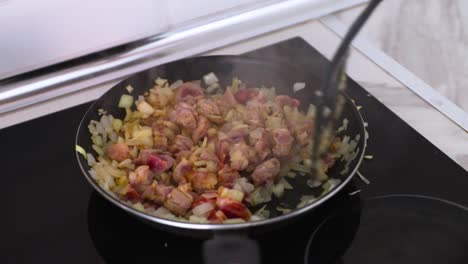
220, 227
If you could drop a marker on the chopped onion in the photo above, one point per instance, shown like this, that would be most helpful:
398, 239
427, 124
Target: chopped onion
298, 86
233, 221
210, 79
313, 183
129, 89
283, 210
212, 88
364, 179
91, 159
358, 107
286, 184
139, 207
203, 209
176, 84
160, 82
125, 101
369, 157
305, 200
344, 126
198, 219
255, 218
278, 189
80, 150
145, 108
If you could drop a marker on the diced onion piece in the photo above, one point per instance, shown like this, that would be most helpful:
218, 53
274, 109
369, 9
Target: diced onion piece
313, 183
278, 189
198, 219
234, 221
260, 195
369, 157
286, 184
344, 126
143, 136
139, 207
116, 125
210, 79
230, 193
255, 218
160, 82
91, 159
283, 210
125, 101
80, 150
243, 185
305, 200
129, 89
364, 179
162, 212
145, 108
176, 84
298, 86
212, 88
203, 209
98, 150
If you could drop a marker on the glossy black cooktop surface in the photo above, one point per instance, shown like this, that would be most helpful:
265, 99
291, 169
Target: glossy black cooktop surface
51, 214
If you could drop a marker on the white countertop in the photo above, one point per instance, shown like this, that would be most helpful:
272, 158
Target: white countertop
433, 125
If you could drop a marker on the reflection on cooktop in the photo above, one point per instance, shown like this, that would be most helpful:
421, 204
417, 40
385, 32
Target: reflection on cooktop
394, 229
121, 238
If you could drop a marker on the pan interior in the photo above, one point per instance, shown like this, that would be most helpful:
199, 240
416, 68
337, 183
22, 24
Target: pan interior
254, 72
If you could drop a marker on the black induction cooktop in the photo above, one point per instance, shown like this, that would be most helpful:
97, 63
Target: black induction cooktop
412, 212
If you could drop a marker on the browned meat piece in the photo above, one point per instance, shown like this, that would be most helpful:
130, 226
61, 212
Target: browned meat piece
157, 193
283, 100
244, 95
201, 130
240, 155
210, 110
181, 143
141, 177
202, 181
155, 159
184, 115
160, 141
178, 202
222, 150
263, 149
266, 171
181, 170
118, 152
233, 209
227, 176
283, 142
188, 92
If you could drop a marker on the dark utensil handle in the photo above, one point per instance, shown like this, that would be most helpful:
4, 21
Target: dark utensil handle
231, 249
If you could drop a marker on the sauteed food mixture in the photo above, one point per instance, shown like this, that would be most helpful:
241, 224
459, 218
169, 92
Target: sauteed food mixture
205, 154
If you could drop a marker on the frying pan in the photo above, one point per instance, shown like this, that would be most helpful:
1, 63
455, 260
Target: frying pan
229, 242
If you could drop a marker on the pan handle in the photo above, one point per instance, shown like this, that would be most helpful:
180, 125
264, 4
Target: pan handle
230, 248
